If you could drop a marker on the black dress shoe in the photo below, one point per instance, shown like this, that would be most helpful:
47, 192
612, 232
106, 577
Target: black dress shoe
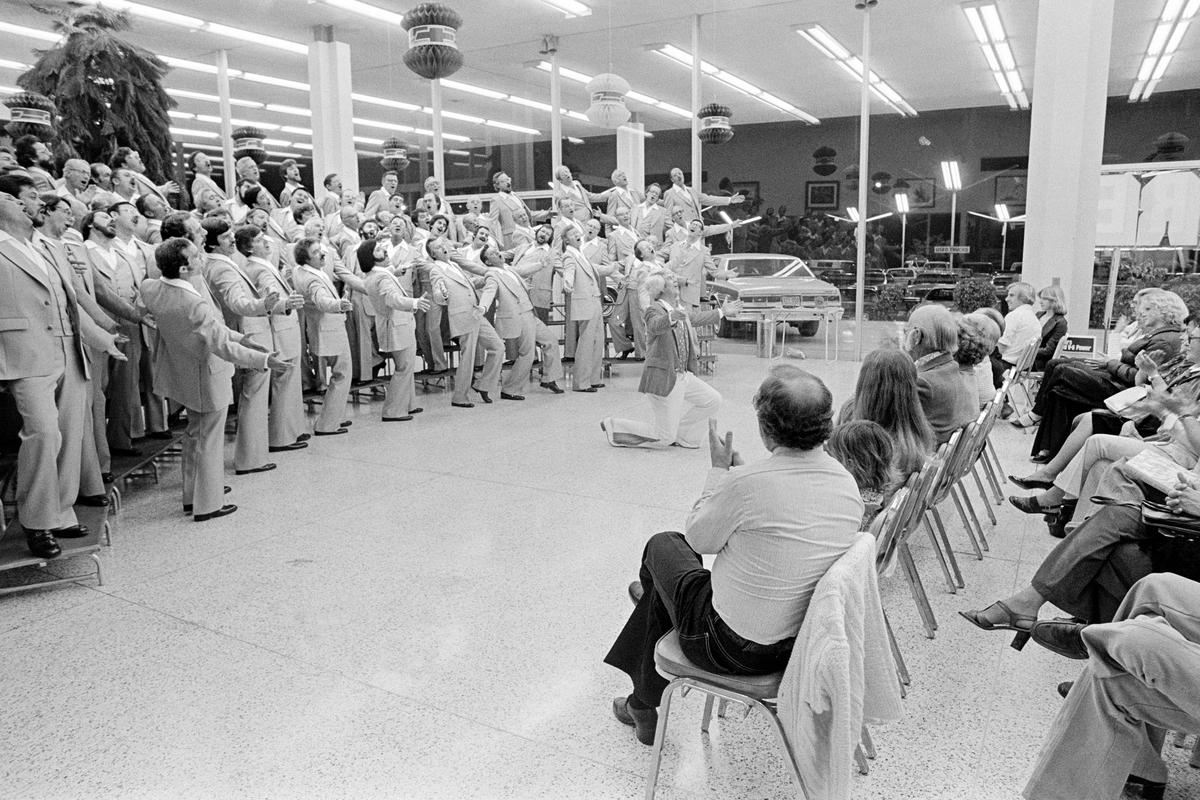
304, 437
636, 589
70, 532
568, 359
1146, 789
1064, 638
162, 435
127, 452
187, 507
591, 389
347, 423
624, 354
223, 511
552, 386
42, 544
263, 468
597, 385
507, 396
108, 477
462, 405
644, 721
1030, 505
1029, 485
415, 410
330, 433
283, 448
405, 418
484, 395
93, 500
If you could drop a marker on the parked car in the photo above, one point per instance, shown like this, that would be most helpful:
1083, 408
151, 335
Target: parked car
941, 295
768, 285
901, 276
924, 281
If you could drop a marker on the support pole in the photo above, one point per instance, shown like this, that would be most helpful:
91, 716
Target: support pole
953, 223
903, 236
1003, 244
226, 124
555, 114
439, 156
697, 158
864, 137
1111, 295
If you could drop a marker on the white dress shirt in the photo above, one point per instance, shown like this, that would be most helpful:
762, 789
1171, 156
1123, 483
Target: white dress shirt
1021, 326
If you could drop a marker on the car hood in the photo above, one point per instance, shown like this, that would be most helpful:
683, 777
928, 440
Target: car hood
776, 285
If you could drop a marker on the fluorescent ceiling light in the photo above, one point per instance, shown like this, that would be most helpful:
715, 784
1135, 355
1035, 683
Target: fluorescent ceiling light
383, 101
1168, 34
951, 176
295, 111
277, 142
29, 33
574, 75
830, 47
4, 62
212, 98
574, 140
197, 24
194, 66
984, 19
902, 202
367, 140
302, 146
266, 126
479, 90
173, 114
462, 117
273, 81
680, 56
571, 8
1002, 212
524, 101
509, 127
637, 97
367, 10
296, 130
192, 132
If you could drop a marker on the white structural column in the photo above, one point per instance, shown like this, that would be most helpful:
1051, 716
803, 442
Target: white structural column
332, 108
864, 139
631, 153
697, 159
1066, 140
226, 124
555, 113
439, 147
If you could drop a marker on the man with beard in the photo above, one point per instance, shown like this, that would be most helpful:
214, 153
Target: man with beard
75, 187
537, 265
44, 369
130, 159
35, 157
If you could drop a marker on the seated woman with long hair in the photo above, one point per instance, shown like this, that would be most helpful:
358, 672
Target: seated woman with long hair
886, 393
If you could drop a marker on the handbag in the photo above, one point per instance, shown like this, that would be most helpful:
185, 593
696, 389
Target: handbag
1174, 543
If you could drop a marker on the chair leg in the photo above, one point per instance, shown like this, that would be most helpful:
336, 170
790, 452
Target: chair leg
951, 581
994, 471
793, 767
868, 743
966, 501
901, 667
974, 531
917, 588
660, 733
950, 557
708, 704
987, 506
860, 760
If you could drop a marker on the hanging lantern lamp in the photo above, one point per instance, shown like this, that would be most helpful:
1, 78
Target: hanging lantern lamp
395, 154
823, 158
714, 123
608, 100
432, 40
248, 141
31, 113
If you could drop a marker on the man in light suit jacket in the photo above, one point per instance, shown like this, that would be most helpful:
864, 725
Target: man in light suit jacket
194, 367
515, 321
244, 311
691, 199
286, 426
692, 263
395, 326
325, 318
582, 280
681, 402
537, 264
506, 207
44, 367
649, 218
459, 293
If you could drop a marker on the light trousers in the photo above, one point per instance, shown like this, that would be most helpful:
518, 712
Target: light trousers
337, 391
681, 416
52, 409
99, 408
250, 449
401, 396
124, 392
589, 352
619, 325
204, 461
534, 335
1081, 477
1143, 673
286, 413
429, 336
91, 480
483, 338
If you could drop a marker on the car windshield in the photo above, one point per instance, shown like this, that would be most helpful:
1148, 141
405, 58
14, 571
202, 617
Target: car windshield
937, 277
766, 267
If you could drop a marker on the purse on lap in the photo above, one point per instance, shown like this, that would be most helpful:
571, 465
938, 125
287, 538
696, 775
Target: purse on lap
1174, 543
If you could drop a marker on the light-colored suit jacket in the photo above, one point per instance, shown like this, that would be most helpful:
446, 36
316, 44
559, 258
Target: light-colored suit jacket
691, 264
283, 320
27, 346
238, 297
72, 260
537, 264
458, 292
650, 223
325, 322
690, 200
662, 351
512, 301
395, 324
582, 279
193, 363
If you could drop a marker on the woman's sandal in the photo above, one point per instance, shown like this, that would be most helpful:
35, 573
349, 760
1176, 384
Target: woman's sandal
1014, 622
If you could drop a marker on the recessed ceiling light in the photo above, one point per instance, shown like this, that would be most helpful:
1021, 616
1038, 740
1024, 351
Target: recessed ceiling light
1173, 23
984, 19
829, 46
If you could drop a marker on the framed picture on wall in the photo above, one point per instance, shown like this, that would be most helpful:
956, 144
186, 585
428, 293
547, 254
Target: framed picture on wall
749, 189
821, 194
922, 192
1010, 190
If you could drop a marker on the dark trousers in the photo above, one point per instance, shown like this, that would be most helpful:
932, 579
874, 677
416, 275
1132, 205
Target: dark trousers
1067, 391
1089, 573
678, 594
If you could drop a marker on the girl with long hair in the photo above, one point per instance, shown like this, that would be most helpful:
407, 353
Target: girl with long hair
886, 393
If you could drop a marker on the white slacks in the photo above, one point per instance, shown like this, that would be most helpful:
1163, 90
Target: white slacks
680, 417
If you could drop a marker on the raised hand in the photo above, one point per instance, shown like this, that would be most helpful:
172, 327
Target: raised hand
345, 305
720, 448
270, 299
295, 300
277, 364
732, 308
422, 303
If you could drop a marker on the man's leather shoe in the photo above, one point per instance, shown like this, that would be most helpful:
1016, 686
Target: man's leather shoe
108, 477
591, 389
1146, 789
484, 395
42, 544
330, 433
405, 418
304, 437
597, 385
71, 532
552, 386
507, 396
283, 448
644, 721
93, 500
159, 435
223, 511
187, 507
127, 452
636, 590
625, 354
1064, 638
415, 410
568, 359
263, 468
347, 423
462, 405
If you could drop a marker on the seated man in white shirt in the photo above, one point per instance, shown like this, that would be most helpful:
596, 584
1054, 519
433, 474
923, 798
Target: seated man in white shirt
1021, 326
775, 526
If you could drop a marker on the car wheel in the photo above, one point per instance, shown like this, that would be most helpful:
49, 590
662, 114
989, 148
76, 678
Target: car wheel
809, 328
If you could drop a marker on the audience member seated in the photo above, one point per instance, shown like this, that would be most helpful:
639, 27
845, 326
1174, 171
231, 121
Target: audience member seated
1021, 326
1141, 680
886, 393
1052, 313
864, 448
930, 339
775, 527
977, 336
1071, 387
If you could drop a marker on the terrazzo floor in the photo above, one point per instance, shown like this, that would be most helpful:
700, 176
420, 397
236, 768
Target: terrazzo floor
420, 610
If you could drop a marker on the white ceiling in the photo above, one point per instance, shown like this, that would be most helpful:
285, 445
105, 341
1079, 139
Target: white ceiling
923, 48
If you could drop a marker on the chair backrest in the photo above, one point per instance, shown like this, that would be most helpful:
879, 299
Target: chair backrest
1025, 358
889, 527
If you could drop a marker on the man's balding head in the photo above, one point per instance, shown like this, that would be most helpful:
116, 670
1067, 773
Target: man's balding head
930, 329
794, 408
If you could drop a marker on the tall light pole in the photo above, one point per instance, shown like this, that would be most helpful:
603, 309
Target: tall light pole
902, 209
952, 178
864, 136
1004, 218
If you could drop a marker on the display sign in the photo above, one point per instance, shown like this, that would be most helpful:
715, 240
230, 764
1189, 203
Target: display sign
1080, 346
952, 249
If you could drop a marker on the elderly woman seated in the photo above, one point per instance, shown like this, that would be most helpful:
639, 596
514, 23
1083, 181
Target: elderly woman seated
977, 337
1070, 388
931, 339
